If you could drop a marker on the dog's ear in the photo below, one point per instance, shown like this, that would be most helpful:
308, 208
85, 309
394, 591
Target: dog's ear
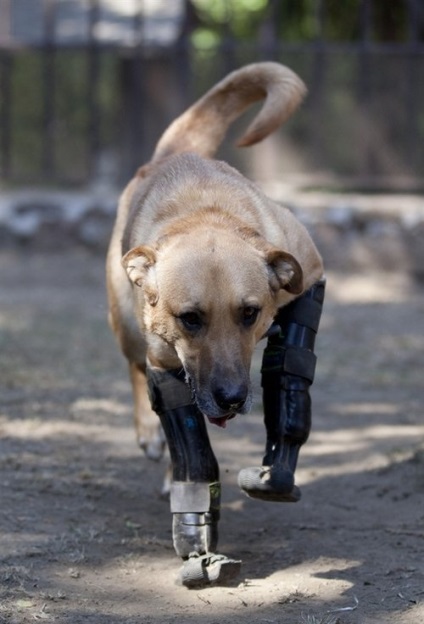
138, 263
285, 271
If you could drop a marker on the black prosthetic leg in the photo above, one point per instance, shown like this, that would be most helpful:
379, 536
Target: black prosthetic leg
195, 488
288, 369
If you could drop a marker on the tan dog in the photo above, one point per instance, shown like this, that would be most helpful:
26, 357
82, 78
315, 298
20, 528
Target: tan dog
200, 260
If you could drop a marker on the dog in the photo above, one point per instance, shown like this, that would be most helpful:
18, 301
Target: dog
199, 264
200, 260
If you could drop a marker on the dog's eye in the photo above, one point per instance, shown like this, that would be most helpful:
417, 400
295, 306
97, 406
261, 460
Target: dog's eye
191, 321
249, 315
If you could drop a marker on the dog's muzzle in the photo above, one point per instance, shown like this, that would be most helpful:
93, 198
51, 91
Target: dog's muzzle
229, 398
222, 402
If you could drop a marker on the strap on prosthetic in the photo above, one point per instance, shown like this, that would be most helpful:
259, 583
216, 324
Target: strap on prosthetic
184, 426
288, 370
195, 489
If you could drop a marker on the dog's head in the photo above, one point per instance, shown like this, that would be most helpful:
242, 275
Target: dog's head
212, 295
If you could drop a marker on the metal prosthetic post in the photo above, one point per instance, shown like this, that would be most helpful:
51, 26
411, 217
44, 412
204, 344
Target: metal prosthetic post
195, 488
288, 369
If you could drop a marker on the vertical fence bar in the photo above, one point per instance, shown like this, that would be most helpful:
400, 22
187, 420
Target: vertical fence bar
6, 113
228, 45
49, 89
6, 67
182, 58
315, 101
268, 33
364, 86
414, 21
94, 108
137, 91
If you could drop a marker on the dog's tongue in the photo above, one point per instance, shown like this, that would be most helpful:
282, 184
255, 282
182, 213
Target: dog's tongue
220, 422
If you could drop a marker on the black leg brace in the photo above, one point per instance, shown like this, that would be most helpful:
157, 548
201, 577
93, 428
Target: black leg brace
288, 369
195, 488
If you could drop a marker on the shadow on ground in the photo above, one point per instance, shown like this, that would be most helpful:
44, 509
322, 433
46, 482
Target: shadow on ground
84, 534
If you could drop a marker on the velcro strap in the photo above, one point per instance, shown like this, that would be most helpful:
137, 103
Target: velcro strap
273, 358
299, 362
288, 360
303, 311
306, 309
167, 390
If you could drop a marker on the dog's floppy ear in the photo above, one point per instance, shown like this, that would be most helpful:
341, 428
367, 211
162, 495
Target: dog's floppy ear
137, 262
285, 271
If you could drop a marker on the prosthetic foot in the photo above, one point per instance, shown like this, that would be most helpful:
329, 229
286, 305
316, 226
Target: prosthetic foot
195, 488
288, 369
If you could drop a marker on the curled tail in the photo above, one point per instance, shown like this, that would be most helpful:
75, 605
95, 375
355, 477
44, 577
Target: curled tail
202, 127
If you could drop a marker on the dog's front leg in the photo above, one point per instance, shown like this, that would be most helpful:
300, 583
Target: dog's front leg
195, 487
288, 369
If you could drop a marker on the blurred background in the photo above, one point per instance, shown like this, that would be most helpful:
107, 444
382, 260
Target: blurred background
87, 87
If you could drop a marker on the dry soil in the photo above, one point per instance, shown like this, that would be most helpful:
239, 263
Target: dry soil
84, 534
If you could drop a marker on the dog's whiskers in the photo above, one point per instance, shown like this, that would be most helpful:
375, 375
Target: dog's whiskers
190, 384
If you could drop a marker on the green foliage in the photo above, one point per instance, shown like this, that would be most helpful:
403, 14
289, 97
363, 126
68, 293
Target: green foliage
239, 17
301, 20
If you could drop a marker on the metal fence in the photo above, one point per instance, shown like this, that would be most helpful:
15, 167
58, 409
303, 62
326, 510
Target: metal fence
86, 86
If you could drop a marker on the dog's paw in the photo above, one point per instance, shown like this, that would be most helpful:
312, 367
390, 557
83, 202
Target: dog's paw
166, 485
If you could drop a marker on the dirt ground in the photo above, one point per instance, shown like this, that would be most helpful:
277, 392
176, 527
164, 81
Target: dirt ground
84, 535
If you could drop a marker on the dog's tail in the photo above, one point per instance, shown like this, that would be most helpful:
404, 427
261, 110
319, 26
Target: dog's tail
202, 127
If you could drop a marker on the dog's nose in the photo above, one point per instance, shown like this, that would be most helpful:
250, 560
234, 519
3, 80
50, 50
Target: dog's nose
231, 399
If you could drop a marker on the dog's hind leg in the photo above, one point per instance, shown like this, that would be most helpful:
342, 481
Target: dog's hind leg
195, 487
288, 369
148, 428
